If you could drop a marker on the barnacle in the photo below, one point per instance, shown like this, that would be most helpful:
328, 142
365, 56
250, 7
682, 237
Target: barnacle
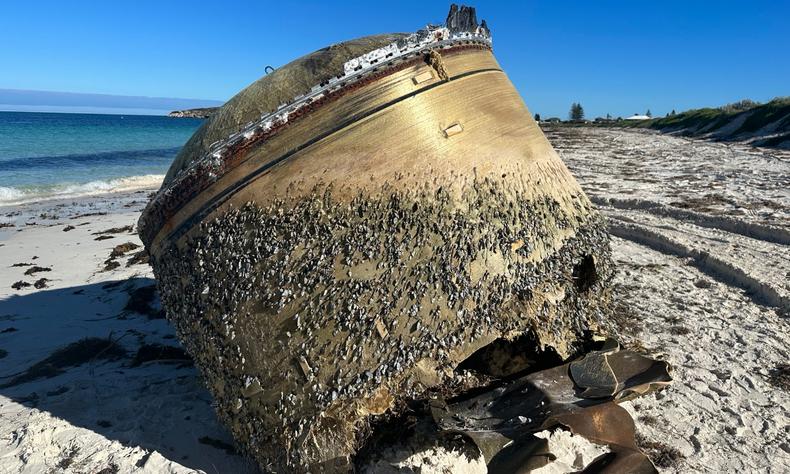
326, 273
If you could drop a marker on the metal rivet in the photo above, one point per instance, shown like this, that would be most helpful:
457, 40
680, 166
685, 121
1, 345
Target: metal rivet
422, 77
453, 129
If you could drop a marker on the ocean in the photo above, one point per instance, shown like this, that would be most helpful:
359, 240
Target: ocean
50, 155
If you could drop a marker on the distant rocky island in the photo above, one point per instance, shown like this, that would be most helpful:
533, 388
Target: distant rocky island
203, 112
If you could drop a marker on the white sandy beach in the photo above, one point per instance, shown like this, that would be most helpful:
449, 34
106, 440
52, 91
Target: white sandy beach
103, 415
704, 256
702, 244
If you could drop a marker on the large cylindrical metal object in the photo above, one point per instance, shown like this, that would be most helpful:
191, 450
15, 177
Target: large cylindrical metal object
330, 266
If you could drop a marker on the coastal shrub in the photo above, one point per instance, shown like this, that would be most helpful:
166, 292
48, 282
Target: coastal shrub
766, 114
740, 106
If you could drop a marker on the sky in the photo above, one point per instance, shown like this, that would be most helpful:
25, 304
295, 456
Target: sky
617, 57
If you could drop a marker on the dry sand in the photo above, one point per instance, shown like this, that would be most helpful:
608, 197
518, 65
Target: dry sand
704, 256
104, 415
703, 249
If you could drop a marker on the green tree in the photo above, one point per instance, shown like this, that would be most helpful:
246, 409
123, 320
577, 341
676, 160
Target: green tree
576, 112
648, 113
537, 117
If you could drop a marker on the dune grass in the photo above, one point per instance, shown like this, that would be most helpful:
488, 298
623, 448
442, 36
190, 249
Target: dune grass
710, 122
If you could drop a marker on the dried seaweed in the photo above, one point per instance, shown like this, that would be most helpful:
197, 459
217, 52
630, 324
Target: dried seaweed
77, 353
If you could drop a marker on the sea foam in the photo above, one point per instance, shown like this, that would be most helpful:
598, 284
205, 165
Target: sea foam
27, 194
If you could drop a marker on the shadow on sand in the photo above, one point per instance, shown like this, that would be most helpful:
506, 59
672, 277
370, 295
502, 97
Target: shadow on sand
74, 353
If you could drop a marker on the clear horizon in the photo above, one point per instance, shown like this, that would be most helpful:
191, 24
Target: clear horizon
49, 109
14, 100
613, 57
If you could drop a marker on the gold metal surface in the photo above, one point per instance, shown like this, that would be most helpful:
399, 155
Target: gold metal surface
441, 152
453, 129
422, 77
404, 139
377, 94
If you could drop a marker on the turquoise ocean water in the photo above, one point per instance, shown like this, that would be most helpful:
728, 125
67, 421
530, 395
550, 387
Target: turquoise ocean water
46, 155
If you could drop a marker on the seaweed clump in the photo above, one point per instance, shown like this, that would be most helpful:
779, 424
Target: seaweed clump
144, 300
159, 353
779, 377
662, 455
85, 350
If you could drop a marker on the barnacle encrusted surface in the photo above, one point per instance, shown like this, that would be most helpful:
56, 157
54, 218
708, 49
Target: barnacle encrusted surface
307, 314
402, 215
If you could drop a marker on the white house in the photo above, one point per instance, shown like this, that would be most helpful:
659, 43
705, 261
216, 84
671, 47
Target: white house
638, 117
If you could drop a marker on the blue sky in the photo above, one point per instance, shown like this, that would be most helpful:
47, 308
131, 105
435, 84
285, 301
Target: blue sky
617, 57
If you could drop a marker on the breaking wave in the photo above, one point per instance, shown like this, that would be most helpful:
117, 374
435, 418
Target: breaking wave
26, 194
